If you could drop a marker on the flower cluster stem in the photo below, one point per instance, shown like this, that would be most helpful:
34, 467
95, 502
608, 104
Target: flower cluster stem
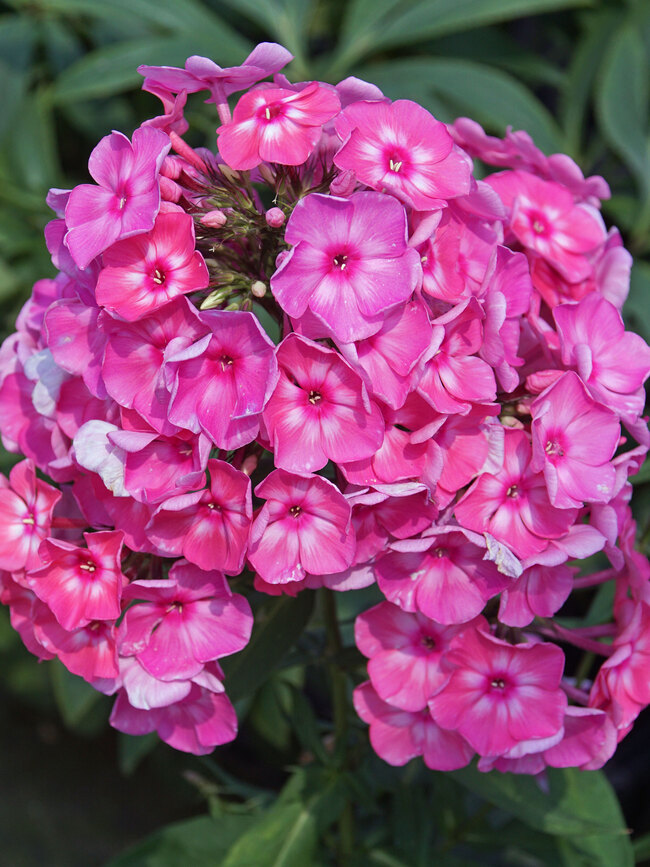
340, 714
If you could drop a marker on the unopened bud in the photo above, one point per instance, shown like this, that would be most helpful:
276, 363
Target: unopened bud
229, 174
258, 289
216, 298
343, 184
267, 174
275, 218
214, 219
169, 190
249, 465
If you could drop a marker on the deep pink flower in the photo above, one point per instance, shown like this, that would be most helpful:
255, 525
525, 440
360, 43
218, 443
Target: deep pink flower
398, 736
320, 410
499, 694
574, 440
222, 382
143, 273
88, 651
513, 504
540, 591
127, 197
26, 506
545, 219
404, 150
201, 73
612, 362
180, 624
589, 740
350, 262
137, 354
443, 574
405, 652
276, 125
196, 724
209, 527
304, 526
81, 584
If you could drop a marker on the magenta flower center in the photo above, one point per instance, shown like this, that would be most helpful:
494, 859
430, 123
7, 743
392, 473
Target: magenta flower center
270, 112
295, 511
513, 492
158, 276
315, 397
88, 566
498, 683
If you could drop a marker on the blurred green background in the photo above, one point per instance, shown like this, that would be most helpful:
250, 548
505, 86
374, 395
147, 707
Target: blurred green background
573, 73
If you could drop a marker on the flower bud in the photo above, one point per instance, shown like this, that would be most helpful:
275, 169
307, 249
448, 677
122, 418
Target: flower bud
214, 219
275, 218
258, 289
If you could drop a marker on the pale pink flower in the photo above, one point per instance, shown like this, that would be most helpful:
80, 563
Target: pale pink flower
403, 150
276, 125
319, 410
350, 262
397, 736
143, 273
499, 694
81, 584
26, 506
304, 526
127, 197
574, 440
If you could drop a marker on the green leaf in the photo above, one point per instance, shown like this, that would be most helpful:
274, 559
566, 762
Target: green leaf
75, 698
637, 305
113, 68
462, 87
586, 61
132, 749
285, 836
17, 40
277, 627
33, 156
579, 804
370, 26
623, 102
642, 848
200, 842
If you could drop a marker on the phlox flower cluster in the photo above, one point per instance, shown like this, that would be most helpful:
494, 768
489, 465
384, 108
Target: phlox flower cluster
327, 355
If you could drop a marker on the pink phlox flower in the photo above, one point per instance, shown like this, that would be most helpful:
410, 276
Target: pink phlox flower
102, 509
387, 359
319, 410
88, 651
146, 692
589, 740
271, 124
304, 526
95, 452
397, 459
397, 736
179, 624
513, 504
209, 527
222, 382
26, 507
545, 219
518, 151
622, 685
144, 273
377, 517
201, 73
456, 256
507, 292
173, 118
25, 610
349, 264
402, 149
81, 584
613, 363
540, 591
73, 336
405, 651
127, 196
574, 440
470, 444
195, 724
76, 405
137, 355
443, 574
158, 467
455, 378
499, 694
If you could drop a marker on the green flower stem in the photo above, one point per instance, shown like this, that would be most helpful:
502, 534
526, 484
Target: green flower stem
340, 714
